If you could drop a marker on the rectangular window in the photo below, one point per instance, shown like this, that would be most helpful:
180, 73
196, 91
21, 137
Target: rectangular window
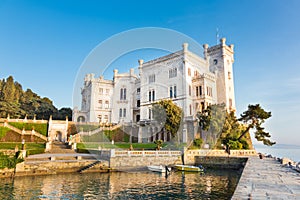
100, 118
152, 78
197, 91
190, 109
124, 95
100, 90
189, 71
138, 90
229, 75
100, 103
138, 103
175, 91
106, 104
209, 91
121, 94
202, 106
150, 113
171, 92
107, 91
124, 112
172, 72
153, 95
195, 73
190, 90
120, 112
106, 118
200, 90
149, 95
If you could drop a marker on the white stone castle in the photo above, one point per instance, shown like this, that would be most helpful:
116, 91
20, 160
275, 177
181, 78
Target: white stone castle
192, 82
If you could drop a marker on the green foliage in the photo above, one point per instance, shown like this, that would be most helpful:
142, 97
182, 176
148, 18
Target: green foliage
245, 144
169, 114
42, 128
8, 161
18, 103
159, 144
3, 131
198, 142
107, 136
12, 145
212, 118
232, 129
235, 144
35, 151
222, 127
253, 118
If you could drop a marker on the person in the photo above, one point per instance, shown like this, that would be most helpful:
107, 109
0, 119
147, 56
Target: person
228, 149
131, 147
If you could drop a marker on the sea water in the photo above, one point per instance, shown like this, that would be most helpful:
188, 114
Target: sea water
213, 184
280, 151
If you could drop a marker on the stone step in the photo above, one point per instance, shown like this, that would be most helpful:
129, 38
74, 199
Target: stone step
59, 147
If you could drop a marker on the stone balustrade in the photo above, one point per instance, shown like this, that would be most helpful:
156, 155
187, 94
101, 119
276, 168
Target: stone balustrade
115, 153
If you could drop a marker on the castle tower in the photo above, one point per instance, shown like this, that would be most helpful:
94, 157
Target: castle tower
220, 58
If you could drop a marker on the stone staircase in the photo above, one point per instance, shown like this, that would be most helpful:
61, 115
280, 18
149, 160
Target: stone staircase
23, 132
60, 147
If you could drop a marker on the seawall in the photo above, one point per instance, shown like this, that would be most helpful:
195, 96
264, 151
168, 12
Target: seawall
119, 160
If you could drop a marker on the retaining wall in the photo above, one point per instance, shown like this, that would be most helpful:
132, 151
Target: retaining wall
191, 155
54, 167
126, 159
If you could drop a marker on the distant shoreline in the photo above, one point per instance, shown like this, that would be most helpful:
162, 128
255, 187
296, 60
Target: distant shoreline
281, 151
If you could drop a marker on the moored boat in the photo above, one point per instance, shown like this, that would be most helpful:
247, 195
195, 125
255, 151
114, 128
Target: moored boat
159, 168
189, 168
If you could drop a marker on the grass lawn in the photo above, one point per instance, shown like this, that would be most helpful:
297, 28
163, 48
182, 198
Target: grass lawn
3, 131
32, 148
42, 128
136, 146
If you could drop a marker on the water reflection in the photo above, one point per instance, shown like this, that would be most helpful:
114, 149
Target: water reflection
142, 185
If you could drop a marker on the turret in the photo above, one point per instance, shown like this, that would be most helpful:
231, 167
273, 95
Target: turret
220, 58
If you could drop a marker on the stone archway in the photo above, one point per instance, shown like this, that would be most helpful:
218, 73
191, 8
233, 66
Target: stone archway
59, 136
81, 119
58, 130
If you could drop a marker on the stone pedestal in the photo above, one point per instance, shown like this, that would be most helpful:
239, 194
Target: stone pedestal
22, 154
48, 147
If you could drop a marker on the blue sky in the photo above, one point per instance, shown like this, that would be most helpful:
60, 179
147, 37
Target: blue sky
43, 44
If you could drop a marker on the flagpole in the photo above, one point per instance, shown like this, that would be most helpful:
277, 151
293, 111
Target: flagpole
217, 35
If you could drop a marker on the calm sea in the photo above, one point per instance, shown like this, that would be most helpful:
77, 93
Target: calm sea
214, 184
281, 150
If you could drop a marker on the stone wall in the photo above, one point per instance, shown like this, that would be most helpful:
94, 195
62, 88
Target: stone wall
127, 159
221, 162
191, 155
126, 162
54, 167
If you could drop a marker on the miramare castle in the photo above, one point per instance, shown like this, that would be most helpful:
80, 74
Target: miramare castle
192, 82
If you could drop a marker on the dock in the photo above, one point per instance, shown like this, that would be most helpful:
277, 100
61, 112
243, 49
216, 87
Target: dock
267, 179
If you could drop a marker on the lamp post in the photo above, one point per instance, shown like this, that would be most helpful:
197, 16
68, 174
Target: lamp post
23, 144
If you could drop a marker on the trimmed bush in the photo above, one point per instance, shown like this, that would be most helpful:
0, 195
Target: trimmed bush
8, 161
198, 142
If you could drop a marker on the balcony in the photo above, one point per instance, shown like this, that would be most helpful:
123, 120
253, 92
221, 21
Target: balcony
122, 101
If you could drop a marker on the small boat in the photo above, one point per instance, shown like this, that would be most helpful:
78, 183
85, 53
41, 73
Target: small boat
159, 168
189, 168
